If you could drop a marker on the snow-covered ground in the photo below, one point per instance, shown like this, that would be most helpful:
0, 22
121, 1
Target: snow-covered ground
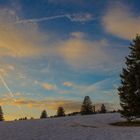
92, 127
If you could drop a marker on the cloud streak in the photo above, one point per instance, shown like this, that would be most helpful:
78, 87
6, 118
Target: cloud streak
9, 90
82, 17
41, 19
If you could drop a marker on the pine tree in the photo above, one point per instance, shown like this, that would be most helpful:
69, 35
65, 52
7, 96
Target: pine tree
60, 112
103, 109
43, 114
1, 114
129, 91
87, 107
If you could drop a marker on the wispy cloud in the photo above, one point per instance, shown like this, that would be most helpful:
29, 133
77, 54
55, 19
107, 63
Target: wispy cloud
82, 17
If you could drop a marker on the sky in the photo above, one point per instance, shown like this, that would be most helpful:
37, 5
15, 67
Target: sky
55, 52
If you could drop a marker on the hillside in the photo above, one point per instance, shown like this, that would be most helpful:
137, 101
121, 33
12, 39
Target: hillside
93, 127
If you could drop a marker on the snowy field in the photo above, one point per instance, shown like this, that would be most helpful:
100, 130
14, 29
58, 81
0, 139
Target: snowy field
93, 127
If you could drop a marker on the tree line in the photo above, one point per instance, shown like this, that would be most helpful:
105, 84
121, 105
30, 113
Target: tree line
86, 109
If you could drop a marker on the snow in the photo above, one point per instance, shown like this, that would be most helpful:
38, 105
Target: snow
137, 91
138, 61
91, 127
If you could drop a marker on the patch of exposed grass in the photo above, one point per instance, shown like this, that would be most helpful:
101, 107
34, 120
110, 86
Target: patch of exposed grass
126, 123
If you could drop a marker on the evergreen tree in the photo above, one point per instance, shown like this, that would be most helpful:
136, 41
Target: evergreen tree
87, 107
129, 91
103, 109
1, 114
60, 112
43, 114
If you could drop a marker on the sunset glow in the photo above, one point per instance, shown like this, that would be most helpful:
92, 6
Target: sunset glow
55, 52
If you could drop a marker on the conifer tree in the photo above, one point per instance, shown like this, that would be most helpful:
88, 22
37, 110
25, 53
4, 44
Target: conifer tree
129, 91
1, 114
87, 107
43, 114
103, 109
60, 112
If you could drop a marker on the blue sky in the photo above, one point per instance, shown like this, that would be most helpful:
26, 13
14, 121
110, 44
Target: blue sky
55, 52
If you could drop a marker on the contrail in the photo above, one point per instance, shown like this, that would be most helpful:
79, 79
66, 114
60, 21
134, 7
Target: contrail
72, 17
43, 19
9, 90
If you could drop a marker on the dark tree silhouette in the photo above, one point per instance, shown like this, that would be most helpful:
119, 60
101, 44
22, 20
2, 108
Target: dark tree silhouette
43, 114
1, 114
129, 91
103, 109
87, 107
60, 112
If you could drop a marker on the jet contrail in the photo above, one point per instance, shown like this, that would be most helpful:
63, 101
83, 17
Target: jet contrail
42, 19
72, 17
9, 90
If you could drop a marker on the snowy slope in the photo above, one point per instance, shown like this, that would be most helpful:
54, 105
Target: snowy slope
93, 127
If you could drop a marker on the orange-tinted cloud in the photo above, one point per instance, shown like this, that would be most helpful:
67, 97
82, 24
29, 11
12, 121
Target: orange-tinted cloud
18, 40
69, 105
120, 21
68, 84
49, 86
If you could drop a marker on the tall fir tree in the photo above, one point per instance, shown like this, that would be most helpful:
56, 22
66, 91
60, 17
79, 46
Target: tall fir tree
103, 109
43, 114
86, 107
1, 114
60, 112
129, 91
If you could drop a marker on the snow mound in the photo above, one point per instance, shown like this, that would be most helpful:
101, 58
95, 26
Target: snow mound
90, 127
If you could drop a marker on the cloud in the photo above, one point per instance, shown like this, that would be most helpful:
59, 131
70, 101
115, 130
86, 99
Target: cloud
18, 40
77, 35
49, 86
69, 105
121, 21
5, 69
68, 84
81, 53
26, 41
81, 17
